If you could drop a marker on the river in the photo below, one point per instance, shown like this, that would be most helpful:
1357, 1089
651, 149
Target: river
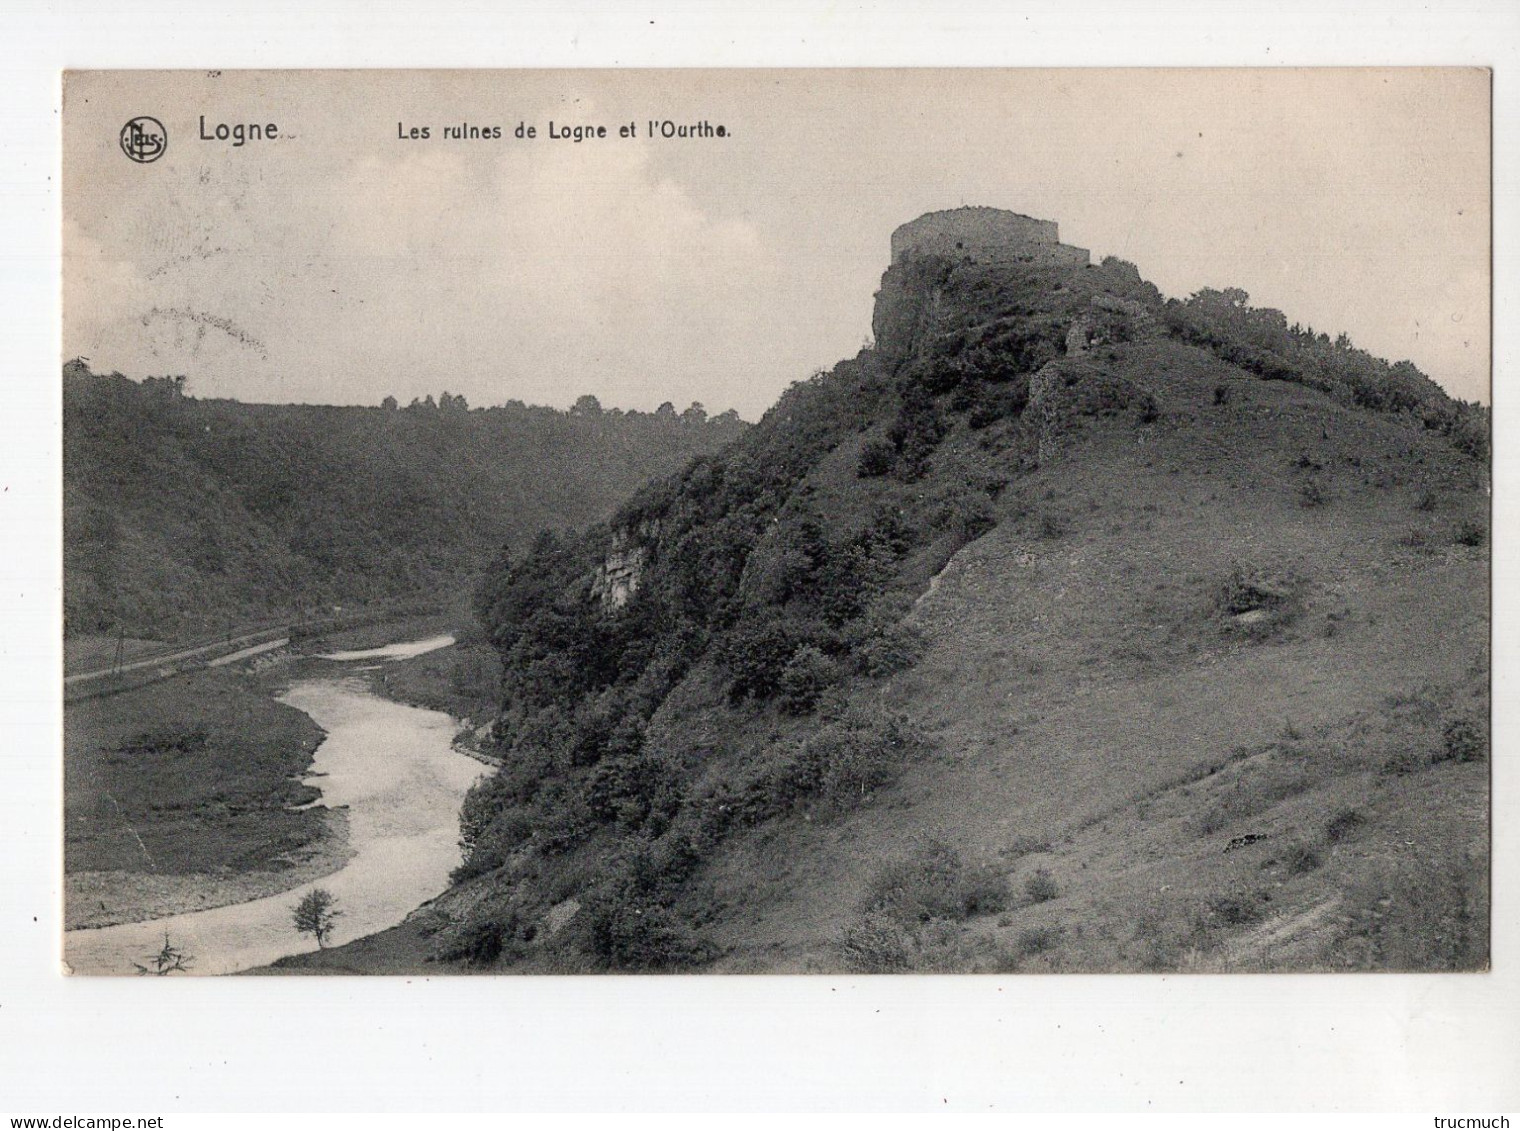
395, 770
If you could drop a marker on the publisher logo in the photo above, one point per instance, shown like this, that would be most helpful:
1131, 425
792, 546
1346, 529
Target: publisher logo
144, 139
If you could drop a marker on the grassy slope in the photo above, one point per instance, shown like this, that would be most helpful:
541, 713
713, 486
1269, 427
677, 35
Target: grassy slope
1079, 683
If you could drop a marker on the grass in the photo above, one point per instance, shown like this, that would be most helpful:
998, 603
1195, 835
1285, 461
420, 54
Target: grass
195, 774
1425, 912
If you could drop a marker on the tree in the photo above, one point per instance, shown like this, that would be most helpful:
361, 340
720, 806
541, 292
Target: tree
317, 914
586, 405
389, 404
166, 961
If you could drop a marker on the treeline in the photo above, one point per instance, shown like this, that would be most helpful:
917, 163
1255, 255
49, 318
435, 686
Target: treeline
1260, 341
183, 515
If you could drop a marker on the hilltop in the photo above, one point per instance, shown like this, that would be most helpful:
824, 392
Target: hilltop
183, 516
1066, 627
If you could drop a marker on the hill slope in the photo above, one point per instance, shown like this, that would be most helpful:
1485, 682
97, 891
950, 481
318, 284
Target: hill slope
182, 515
1066, 628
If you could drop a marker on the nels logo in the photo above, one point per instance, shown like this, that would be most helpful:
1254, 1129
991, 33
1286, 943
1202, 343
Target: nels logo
144, 139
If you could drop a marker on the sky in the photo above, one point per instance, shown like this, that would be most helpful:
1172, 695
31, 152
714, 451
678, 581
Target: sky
341, 263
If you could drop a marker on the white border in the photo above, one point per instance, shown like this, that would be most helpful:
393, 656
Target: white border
1439, 1044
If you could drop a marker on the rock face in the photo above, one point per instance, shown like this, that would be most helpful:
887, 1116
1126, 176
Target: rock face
621, 571
1111, 319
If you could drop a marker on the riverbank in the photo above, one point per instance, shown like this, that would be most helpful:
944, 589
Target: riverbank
393, 772
187, 794
105, 899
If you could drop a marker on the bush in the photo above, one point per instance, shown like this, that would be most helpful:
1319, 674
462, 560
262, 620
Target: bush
1246, 591
1463, 741
847, 761
621, 930
1037, 940
932, 882
1312, 493
807, 675
1421, 913
1041, 887
1228, 911
1343, 823
1053, 525
165, 742
891, 649
1470, 533
875, 944
755, 654
1301, 859
877, 457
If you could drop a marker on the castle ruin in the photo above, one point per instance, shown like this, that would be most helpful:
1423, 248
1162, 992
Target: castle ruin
986, 235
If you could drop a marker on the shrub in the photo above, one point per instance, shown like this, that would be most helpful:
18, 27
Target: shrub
1037, 940
1245, 591
165, 742
1053, 525
875, 944
486, 940
1041, 887
1221, 394
1301, 858
877, 457
1426, 912
1312, 493
1470, 533
1463, 741
891, 649
1405, 761
1229, 911
807, 675
561, 819
932, 882
755, 654
1342, 823
846, 761
619, 929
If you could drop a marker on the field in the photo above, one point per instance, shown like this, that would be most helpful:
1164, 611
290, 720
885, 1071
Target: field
182, 794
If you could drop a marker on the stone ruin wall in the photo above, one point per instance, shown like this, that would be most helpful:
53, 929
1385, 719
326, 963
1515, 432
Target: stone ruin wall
986, 235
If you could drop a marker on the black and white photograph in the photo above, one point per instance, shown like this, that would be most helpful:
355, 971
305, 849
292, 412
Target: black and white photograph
776, 522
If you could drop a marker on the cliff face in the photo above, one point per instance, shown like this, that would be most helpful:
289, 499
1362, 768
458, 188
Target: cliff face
622, 571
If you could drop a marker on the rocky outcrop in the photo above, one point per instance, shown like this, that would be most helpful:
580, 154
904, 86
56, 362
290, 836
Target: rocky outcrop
1110, 319
1065, 391
618, 578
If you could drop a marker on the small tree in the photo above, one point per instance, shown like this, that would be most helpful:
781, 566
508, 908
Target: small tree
166, 961
317, 914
